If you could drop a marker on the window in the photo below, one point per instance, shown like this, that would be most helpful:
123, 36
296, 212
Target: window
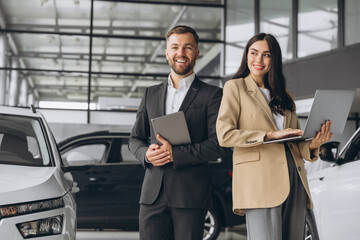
240, 27
33, 146
352, 152
52, 16
352, 22
52, 43
317, 26
94, 151
22, 142
275, 18
127, 156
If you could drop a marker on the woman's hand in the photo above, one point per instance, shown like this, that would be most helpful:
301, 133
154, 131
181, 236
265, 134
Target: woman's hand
289, 132
323, 136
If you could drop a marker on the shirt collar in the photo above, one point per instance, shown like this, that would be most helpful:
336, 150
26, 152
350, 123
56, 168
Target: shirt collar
184, 83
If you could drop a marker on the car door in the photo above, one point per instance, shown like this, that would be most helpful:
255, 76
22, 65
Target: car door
338, 193
123, 186
90, 201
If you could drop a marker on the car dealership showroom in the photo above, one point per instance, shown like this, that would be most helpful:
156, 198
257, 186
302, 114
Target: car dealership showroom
73, 74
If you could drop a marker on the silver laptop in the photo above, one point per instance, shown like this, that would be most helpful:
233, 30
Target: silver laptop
331, 105
173, 128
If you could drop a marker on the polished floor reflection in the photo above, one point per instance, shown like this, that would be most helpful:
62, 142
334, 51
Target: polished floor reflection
238, 233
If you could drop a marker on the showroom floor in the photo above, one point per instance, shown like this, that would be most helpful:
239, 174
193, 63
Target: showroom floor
238, 233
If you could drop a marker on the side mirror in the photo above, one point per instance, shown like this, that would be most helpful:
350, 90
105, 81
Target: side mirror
79, 159
329, 151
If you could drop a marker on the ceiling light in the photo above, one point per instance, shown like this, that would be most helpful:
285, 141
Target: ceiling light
175, 9
42, 2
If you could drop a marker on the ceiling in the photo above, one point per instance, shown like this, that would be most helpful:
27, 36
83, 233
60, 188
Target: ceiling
50, 39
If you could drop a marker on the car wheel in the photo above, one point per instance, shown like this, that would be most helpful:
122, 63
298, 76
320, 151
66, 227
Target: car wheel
310, 227
212, 225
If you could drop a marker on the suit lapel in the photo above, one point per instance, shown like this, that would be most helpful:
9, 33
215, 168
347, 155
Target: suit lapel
255, 92
190, 95
162, 98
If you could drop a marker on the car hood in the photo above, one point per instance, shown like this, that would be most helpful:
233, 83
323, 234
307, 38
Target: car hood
25, 184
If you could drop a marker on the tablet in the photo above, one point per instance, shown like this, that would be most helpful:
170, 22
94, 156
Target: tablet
173, 128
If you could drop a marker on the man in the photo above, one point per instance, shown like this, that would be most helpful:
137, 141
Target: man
176, 191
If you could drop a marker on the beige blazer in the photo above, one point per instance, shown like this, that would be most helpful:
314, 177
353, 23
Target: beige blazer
260, 171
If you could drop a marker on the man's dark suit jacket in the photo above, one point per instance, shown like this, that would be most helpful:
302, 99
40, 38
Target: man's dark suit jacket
186, 180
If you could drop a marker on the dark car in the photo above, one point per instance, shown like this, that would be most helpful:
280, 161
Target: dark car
110, 191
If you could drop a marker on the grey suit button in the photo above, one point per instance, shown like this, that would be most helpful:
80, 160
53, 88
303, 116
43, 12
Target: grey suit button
299, 168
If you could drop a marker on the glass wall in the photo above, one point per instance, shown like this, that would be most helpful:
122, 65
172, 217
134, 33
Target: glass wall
240, 27
50, 16
137, 56
302, 27
275, 18
352, 22
49, 53
52, 52
317, 26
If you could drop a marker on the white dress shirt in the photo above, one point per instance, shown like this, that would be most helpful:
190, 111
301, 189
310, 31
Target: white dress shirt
175, 97
278, 118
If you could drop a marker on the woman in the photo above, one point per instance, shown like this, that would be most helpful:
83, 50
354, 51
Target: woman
269, 180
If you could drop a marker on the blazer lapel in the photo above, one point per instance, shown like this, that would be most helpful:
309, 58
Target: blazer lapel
162, 98
255, 92
287, 118
190, 95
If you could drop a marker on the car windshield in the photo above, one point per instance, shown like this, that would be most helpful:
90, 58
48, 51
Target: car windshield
351, 151
22, 141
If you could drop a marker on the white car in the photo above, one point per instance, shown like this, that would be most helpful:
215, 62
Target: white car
36, 199
336, 192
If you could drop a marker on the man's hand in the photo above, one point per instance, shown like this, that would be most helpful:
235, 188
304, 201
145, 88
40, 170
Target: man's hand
165, 145
159, 155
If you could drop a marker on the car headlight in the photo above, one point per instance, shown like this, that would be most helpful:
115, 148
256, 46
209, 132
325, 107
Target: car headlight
32, 207
41, 227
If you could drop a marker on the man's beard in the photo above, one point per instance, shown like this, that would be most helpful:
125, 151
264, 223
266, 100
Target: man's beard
181, 71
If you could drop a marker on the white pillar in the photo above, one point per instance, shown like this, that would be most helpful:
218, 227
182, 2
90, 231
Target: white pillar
3, 60
23, 95
31, 99
8, 80
14, 85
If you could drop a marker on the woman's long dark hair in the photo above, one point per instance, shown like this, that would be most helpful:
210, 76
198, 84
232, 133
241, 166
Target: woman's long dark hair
274, 80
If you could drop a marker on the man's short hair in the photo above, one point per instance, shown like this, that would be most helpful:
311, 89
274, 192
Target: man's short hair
181, 29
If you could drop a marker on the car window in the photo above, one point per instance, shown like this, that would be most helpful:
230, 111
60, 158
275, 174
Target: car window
126, 154
352, 151
22, 141
96, 151
33, 146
